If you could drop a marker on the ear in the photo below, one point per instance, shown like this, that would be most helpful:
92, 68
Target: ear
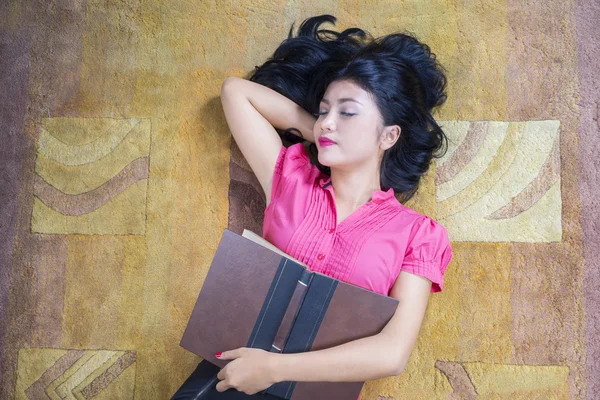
389, 136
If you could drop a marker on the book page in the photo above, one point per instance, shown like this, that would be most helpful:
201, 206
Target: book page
265, 243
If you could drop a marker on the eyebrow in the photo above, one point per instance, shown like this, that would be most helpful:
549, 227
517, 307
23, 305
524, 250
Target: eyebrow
343, 100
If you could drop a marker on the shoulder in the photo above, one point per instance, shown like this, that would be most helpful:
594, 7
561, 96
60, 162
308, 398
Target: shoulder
425, 227
291, 159
429, 251
420, 224
429, 242
294, 174
417, 235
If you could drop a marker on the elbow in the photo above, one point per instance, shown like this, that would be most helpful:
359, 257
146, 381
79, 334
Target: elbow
398, 371
228, 82
397, 360
398, 368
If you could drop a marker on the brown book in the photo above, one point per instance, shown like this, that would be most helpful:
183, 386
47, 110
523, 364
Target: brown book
255, 295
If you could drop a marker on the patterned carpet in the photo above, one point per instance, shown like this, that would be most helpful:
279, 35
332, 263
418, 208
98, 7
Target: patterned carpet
119, 175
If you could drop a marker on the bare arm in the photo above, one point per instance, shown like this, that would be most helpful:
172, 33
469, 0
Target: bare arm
277, 109
251, 111
370, 358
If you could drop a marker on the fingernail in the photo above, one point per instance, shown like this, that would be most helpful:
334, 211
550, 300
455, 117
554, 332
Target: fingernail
218, 355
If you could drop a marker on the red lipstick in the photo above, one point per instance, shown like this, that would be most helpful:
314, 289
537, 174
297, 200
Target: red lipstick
323, 141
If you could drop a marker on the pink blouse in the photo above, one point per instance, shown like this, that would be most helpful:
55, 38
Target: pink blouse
368, 248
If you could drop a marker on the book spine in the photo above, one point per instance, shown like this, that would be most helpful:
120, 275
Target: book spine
306, 325
291, 312
275, 305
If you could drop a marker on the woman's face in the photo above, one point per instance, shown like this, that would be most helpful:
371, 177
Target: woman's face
348, 117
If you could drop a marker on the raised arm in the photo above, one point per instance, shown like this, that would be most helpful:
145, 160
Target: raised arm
253, 111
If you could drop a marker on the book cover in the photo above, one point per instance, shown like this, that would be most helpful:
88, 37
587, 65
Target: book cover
255, 295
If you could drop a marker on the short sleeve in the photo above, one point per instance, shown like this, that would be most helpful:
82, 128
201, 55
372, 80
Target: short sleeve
289, 164
428, 252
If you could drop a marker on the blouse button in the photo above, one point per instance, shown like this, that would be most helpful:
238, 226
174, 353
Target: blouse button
321, 256
331, 230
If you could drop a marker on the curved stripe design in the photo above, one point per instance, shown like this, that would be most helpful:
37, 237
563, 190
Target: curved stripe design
77, 179
495, 169
125, 214
51, 147
456, 131
458, 378
510, 189
78, 131
463, 155
87, 202
492, 142
548, 175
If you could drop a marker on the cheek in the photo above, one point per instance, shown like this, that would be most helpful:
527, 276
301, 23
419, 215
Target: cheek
363, 134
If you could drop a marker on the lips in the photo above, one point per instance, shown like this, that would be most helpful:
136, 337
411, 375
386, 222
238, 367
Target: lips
325, 141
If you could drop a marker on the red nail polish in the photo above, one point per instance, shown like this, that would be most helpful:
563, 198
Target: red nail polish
218, 355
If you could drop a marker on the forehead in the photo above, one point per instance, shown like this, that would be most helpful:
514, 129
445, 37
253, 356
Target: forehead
339, 89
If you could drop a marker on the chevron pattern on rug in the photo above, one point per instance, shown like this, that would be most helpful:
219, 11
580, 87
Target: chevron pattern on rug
75, 374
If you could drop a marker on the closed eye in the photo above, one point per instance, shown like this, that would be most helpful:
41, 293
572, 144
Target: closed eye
325, 112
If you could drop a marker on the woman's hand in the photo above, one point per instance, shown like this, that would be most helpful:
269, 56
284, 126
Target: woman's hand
250, 371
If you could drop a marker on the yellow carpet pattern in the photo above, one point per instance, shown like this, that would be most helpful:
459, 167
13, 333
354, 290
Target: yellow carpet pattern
121, 175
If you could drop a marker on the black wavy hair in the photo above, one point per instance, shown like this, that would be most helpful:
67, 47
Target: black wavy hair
402, 75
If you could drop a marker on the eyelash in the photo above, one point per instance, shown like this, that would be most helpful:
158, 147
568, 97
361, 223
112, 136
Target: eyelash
345, 114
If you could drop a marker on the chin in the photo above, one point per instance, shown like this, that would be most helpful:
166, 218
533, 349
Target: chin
325, 160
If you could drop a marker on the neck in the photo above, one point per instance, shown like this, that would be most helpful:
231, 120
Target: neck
354, 188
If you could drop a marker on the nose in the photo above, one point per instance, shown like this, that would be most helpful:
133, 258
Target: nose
328, 124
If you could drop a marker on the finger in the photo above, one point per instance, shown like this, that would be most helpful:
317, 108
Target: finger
231, 354
222, 386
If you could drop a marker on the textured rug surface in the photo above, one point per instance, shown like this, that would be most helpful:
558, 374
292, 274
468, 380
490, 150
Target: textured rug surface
119, 175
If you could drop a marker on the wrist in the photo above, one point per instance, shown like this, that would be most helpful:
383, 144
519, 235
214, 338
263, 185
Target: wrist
276, 367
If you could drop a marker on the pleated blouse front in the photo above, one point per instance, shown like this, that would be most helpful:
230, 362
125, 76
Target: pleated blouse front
368, 248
